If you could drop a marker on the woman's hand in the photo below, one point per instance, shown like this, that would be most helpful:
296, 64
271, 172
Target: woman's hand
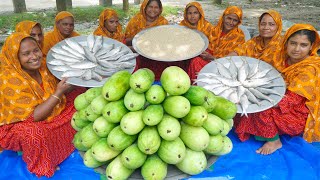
206, 56
63, 87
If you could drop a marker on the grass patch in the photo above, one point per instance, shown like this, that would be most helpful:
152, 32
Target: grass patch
82, 14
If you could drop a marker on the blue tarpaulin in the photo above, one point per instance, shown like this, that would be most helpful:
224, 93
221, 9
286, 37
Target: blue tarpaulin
297, 159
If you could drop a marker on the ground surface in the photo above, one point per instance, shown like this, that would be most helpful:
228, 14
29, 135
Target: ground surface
293, 11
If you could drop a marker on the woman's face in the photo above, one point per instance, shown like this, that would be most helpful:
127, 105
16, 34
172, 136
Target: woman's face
111, 24
65, 26
153, 10
230, 21
193, 15
298, 47
30, 55
37, 34
268, 27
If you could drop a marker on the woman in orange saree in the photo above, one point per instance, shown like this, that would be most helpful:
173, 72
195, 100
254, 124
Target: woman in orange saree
63, 28
149, 16
32, 28
109, 25
35, 109
298, 111
223, 38
267, 42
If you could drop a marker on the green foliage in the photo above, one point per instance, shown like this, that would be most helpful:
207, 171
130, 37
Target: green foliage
81, 14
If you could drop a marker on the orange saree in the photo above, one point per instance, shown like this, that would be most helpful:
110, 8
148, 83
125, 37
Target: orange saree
203, 25
298, 111
222, 45
139, 22
44, 144
26, 27
102, 31
255, 47
303, 78
53, 37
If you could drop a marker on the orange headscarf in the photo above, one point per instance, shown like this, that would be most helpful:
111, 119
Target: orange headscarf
203, 25
53, 37
255, 47
303, 78
19, 92
222, 46
27, 26
139, 21
102, 31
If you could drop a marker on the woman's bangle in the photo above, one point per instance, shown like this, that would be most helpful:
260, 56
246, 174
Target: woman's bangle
56, 97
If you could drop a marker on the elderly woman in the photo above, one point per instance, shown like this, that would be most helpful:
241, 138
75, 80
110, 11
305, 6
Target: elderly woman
63, 28
267, 42
298, 111
32, 28
109, 25
35, 109
223, 38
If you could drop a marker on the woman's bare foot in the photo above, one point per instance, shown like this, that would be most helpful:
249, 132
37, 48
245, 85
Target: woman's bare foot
269, 147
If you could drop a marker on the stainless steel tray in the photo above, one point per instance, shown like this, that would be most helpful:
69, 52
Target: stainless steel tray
212, 68
82, 40
137, 36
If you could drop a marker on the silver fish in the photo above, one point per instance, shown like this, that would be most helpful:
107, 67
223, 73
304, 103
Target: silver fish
244, 104
227, 81
267, 91
128, 57
115, 57
226, 93
240, 91
76, 46
111, 53
65, 58
87, 75
252, 98
104, 72
219, 89
261, 74
96, 76
260, 95
73, 52
90, 42
62, 68
106, 64
63, 52
253, 70
89, 55
258, 82
56, 62
233, 69
73, 73
97, 44
223, 70
83, 65
233, 97
242, 72
104, 50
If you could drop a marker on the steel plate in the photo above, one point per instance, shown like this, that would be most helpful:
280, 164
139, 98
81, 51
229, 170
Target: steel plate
280, 88
82, 40
137, 36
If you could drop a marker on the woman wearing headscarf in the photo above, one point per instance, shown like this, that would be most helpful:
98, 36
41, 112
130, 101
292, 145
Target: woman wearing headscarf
149, 16
223, 38
267, 42
35, 109
63, 28
32, 28
109, 25
298, 111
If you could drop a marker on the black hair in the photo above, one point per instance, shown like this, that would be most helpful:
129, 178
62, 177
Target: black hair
158, 1
310, 34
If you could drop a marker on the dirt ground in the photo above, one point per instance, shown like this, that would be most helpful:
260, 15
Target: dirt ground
292, 11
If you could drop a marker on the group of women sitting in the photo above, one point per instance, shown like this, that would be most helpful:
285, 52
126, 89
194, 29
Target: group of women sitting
36, 108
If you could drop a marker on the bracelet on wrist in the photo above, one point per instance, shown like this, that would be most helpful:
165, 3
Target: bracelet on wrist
56, 97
